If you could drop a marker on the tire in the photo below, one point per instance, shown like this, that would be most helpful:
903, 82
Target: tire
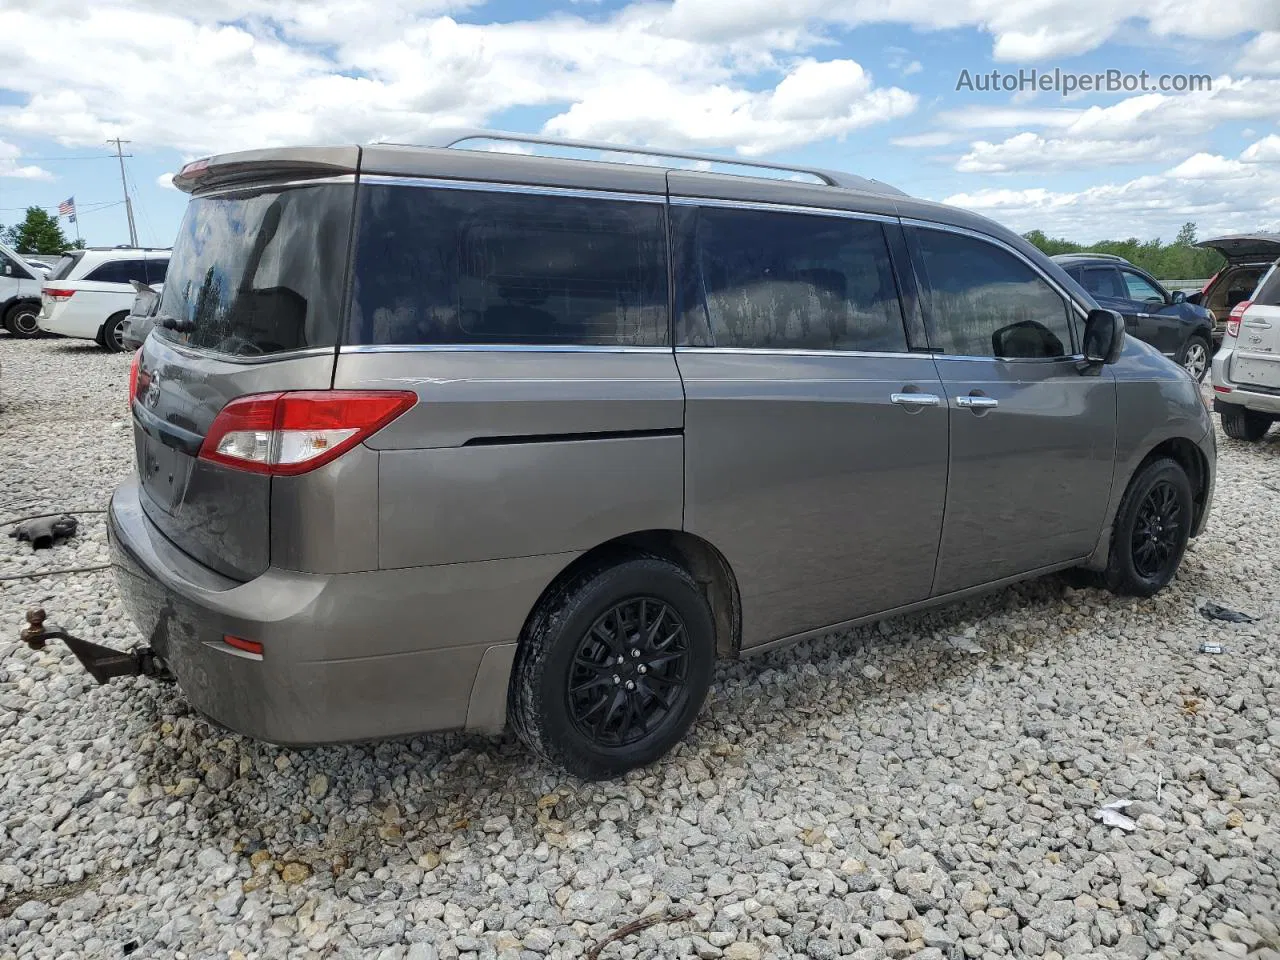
111, 336
1239, 423
1151, 530
20, 320
565, 695
1195, 356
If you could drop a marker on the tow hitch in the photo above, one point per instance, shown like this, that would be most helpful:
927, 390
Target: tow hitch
103, 663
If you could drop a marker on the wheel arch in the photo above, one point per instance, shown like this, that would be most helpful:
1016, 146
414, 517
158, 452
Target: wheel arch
695, 555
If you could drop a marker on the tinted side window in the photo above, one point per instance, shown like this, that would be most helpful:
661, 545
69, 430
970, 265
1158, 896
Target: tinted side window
793, 281
985, 302
461, 266
1140, 288
1104, 282
119, 271
1268, 290
156, 270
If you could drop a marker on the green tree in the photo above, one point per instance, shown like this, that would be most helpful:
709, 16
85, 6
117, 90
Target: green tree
38, 233
1180, 260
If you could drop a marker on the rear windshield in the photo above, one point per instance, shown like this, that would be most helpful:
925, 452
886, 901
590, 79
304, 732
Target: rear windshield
441, 266
1268, 291
259, 273
65, 265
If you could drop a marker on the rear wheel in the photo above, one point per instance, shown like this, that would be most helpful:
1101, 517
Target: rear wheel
1241, 424
112, 333
1195, 357
613, 667
1151, 530
20, 321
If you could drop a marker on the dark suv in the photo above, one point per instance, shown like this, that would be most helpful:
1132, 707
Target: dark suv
1174, 326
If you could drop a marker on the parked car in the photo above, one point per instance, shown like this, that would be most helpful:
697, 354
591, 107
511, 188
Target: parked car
460, 462
88, 295
19, 294
39, 267
1246, 371
1249, 256
141, 316
1168, 321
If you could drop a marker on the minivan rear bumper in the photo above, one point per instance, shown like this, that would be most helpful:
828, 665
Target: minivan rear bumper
354, 656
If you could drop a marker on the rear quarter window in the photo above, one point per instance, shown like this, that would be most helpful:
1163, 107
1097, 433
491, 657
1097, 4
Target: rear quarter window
445, 266
118, 271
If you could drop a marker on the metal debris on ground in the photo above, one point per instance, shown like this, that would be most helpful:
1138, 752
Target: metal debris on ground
43, 532
635, 926
1214, 611
965, 644
1112, 816
1210, 647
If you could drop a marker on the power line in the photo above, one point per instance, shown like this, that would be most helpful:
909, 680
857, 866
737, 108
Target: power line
128, 205
100, 156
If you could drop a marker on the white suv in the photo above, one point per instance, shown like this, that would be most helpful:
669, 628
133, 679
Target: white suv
89, 293
19, 293
1246, 371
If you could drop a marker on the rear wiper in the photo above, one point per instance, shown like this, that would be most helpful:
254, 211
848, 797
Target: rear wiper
179, 326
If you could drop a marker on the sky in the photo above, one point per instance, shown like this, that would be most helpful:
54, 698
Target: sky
867, 86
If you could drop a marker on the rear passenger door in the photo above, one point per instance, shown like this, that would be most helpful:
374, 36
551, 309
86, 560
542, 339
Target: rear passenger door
815, 439
1032, 434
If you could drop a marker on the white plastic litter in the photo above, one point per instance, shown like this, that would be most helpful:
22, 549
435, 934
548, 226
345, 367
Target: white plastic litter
1111, 815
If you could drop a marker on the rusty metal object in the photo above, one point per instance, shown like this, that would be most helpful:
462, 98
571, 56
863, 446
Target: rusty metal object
635, 926
102, 663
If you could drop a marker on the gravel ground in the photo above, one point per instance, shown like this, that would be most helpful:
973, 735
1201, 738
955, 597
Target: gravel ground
877, 793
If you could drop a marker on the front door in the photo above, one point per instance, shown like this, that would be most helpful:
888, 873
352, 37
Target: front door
1164, 331
1032, 435
815, 441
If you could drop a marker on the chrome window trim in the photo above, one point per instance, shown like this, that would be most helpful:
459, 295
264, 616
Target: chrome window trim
493, 186
359, 348
1071, 358
766, 207
796, 352
996, 241
266, 186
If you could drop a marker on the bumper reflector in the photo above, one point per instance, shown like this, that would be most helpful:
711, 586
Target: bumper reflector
248, 646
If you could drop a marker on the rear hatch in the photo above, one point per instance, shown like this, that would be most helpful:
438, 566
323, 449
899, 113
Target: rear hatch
1246, 247
252, 304
1256, 360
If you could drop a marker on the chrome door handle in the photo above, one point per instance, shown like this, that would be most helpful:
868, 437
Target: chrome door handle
915, 399
1144, 315
982, 402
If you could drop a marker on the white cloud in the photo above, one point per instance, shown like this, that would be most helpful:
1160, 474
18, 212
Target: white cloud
1266, 150
1029, 151
9, 166
224, 77
1219, 194
165, 181
935, 138
1261, 54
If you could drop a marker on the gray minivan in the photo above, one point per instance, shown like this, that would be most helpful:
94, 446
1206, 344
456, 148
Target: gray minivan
441, 438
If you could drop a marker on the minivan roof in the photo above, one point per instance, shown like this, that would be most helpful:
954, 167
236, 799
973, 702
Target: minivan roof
445, 158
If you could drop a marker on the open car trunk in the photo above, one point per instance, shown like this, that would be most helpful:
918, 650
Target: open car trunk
252, 304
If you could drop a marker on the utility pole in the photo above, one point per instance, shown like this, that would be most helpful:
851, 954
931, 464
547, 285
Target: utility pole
128, 204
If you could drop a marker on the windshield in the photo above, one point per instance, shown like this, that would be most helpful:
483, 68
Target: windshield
259, 272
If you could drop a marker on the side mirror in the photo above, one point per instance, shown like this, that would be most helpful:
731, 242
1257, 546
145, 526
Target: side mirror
6, 270
1179, 296
1103, 336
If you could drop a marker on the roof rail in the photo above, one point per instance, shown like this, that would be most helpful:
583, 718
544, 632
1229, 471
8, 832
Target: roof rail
452, 138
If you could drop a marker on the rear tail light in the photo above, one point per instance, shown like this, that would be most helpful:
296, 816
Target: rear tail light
239, 643
59, 294
285, 434
1237, 314
134, 373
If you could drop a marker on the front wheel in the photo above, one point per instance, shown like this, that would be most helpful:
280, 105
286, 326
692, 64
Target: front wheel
20, 321
1195, 357
1239, 423
1151, 530
112, 334
613, 667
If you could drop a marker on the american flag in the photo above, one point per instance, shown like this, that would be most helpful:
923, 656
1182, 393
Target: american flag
67, 208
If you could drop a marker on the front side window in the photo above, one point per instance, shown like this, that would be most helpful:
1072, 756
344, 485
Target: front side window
16, 270
982, 301
1139, 287
440, 266
788, 281
1103, 282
